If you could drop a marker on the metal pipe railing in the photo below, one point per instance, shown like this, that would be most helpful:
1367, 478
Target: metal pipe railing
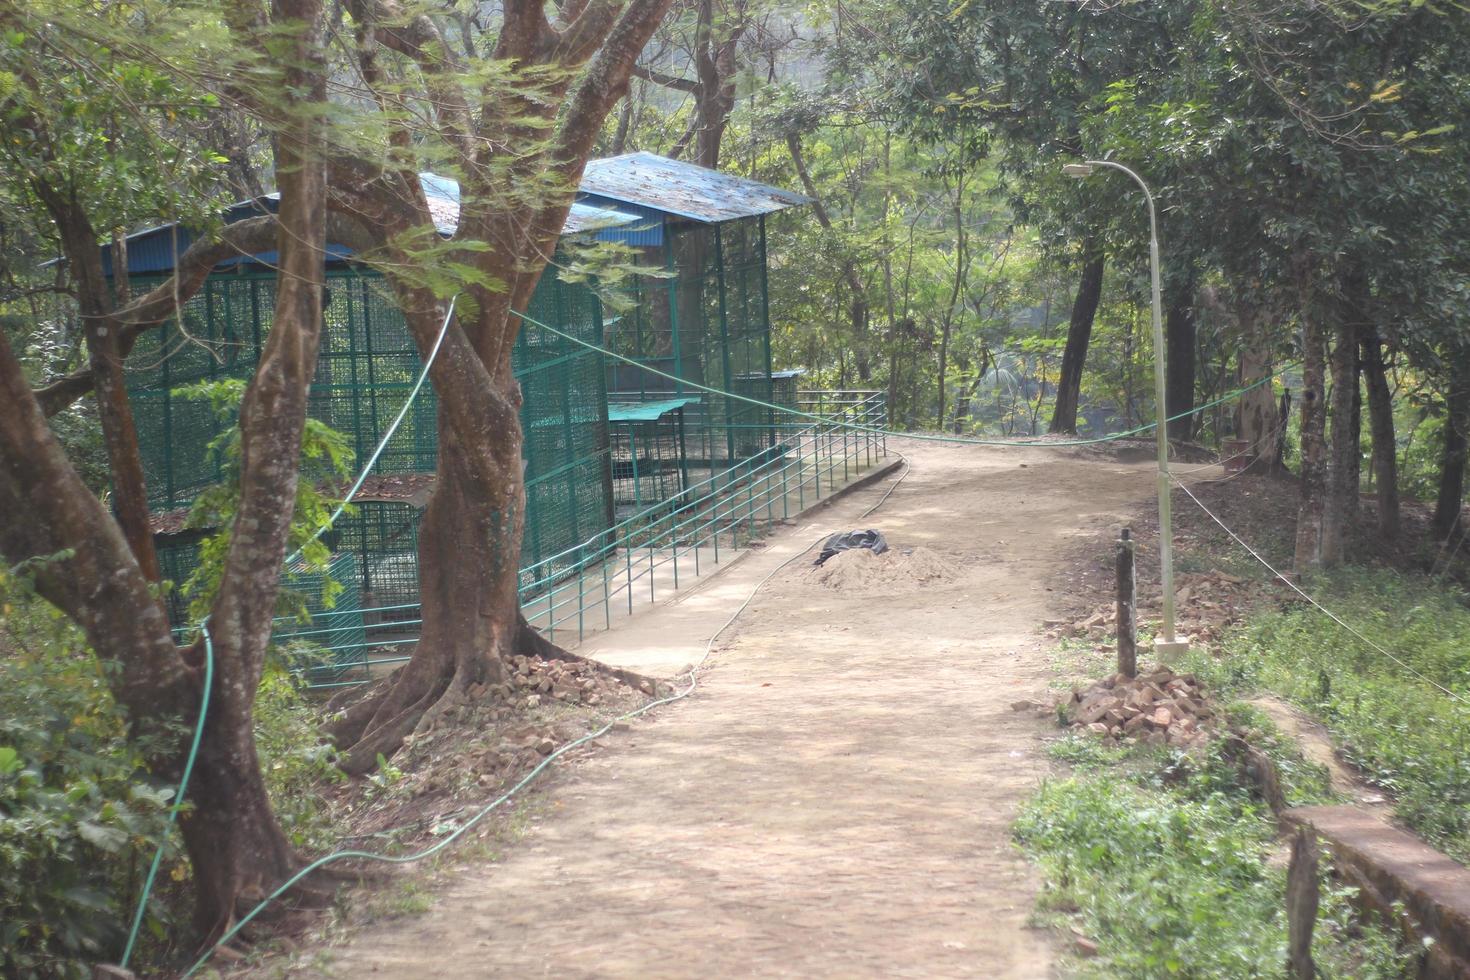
741, 499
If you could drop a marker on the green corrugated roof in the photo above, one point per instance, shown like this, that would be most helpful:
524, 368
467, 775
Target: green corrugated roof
645, 411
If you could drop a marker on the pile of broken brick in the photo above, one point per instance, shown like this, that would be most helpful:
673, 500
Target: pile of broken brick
1157, 707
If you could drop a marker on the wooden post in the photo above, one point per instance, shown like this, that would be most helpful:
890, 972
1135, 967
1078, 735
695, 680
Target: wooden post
1127, 607
1302, 883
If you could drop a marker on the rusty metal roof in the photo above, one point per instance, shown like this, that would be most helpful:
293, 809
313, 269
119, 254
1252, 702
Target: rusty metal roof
683, 189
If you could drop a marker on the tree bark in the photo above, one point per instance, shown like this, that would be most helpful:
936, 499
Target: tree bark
102, 330
99, 578
234, 841
1447, 523
1341, 510
1079, 335
1385, 444
470, 535
713, 57
1256, 419
1179, 330
1313, 429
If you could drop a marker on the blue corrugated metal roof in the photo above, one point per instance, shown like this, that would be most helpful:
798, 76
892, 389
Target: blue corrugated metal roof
623, 199
155, 250
682, 189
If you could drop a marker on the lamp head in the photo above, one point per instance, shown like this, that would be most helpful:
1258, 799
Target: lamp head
1078, 170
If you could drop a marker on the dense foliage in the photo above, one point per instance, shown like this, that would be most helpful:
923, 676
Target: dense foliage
77, 805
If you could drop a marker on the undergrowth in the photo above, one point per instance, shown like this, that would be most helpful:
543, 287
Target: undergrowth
80, 812
1162, 862
1407, 736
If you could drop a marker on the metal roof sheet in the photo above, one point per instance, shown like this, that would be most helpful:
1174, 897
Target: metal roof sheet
683, 189
646, 411
155, 250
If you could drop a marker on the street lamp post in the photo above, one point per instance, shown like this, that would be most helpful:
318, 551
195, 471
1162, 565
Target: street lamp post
1168, 643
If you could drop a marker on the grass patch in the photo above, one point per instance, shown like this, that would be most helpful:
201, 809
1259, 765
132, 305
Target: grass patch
1406, 736
1163, 863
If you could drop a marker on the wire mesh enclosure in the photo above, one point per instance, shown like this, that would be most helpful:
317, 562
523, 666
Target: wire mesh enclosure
708, 323
623, 462
650, 462
365, 369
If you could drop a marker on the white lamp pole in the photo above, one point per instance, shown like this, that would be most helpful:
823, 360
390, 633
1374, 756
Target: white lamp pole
1168, 643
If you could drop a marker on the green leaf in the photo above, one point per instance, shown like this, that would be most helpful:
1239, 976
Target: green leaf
108, 839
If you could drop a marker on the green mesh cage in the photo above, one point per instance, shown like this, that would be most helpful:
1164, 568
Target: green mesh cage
366, 368
650, 462
335, 629
707, 323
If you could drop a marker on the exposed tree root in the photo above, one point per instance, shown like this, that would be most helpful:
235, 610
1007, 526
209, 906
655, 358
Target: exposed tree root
376, 722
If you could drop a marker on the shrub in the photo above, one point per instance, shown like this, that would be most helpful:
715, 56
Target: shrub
1405, 734
80, 815
78, 810
1173, 880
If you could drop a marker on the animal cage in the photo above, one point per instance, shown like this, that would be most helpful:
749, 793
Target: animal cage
705, 317
650, 461
366, 367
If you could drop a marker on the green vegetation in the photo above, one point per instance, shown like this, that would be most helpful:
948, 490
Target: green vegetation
76, 802
1163, 864
1408, 736
79, 808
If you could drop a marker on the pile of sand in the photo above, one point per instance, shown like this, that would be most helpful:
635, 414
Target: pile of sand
860, 570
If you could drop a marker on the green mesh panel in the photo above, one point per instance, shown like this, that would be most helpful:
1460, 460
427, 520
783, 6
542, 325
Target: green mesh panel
564, 421
366, 368
708, 324
649, 462
336, 630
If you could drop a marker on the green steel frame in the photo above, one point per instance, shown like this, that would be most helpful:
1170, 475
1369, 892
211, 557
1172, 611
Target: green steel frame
581, 590
366, 367
708, 322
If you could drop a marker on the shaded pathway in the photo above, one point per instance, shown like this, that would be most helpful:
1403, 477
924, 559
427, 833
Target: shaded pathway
836, 800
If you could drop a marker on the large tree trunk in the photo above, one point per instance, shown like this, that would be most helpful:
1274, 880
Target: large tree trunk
1313, 430
1079, 335
97, 577
105, 353
548, 122
1179, 330
234, 841
1341, 509
1385, 447
1256, 416
1447, 524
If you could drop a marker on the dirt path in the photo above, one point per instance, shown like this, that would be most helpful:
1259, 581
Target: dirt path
836, 800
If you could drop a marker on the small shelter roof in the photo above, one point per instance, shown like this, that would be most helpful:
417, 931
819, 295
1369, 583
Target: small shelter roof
685, 190
646, 411
156, 250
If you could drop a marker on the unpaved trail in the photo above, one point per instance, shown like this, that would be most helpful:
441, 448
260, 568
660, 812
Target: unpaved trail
836, 799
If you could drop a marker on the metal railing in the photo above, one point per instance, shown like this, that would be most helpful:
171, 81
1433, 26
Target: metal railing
587, 587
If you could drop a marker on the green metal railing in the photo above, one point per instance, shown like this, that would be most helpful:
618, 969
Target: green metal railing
656, 550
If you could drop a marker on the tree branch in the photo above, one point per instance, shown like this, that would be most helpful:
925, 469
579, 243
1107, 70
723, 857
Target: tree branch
667, 81
163, 301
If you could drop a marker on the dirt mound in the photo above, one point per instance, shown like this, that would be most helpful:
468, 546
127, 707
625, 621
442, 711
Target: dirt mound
895, 570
